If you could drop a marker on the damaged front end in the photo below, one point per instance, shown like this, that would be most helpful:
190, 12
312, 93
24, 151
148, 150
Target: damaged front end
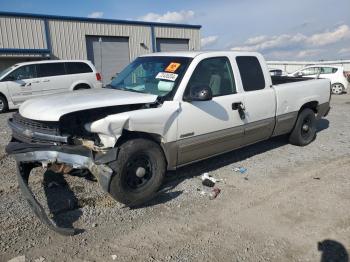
36, 143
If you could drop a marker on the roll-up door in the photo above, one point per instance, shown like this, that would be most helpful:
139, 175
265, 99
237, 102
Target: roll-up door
169, 44
109, 55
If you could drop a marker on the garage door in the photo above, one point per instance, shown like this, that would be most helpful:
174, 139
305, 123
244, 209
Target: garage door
168, 45
109, 55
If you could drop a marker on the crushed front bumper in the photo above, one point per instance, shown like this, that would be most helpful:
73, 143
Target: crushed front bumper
29, 156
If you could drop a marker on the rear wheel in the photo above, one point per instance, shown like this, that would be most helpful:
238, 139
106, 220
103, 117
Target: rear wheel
337, 89
139, 172
3, 104
304, 131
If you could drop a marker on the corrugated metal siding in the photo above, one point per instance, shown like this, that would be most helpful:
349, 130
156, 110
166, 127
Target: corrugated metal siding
68, 38
193, 35
22, 33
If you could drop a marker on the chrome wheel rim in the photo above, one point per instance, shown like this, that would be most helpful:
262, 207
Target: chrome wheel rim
337, 89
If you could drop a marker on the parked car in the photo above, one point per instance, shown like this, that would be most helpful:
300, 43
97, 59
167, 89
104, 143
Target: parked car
277, 72
336, 74
23, 81
163, 111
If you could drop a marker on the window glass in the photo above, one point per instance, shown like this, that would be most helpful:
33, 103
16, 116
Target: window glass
158, 75
309, 71
215, 73
328, 70
50, 69
77, 68
251, 73
24, 72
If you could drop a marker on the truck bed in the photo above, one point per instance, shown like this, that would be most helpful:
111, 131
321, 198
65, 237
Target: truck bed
278, 80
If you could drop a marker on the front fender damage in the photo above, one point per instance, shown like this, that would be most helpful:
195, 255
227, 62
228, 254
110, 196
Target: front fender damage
159, 120
29, 156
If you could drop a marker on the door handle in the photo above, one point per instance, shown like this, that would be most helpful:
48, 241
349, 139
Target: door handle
26, 84
46, 80
240, 107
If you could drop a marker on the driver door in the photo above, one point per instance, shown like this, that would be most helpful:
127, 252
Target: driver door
20, 83
207, 128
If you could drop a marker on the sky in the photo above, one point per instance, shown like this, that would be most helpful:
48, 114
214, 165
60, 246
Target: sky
279, 29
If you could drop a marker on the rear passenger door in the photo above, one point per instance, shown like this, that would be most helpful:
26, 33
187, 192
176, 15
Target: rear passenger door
206, 128
259, 100
53, 79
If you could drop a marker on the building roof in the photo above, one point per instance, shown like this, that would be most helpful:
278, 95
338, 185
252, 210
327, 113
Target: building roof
96, 20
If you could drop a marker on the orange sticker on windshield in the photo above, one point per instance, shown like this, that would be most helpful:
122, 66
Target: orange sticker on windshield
172, 67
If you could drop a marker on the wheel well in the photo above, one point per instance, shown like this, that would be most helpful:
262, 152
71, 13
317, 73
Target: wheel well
81, 86
2, 95
312, 105
128, 135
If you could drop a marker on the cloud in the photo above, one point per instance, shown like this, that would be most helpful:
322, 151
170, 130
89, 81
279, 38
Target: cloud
330, 37
96, 14
209, 40
295, 41
169, 17
344, 51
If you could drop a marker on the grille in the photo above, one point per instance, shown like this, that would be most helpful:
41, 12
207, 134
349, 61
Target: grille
50, 128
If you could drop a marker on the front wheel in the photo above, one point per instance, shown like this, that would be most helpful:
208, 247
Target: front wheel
304, 131
337, 89
139, 172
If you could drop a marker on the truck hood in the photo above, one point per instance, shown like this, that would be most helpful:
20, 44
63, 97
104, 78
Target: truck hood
52, 107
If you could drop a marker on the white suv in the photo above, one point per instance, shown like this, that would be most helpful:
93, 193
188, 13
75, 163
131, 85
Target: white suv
23, 81
334, 73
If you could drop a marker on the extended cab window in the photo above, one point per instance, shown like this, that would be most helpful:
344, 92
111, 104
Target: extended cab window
50, 69
23, 72
215, 73
77, 68
251, 73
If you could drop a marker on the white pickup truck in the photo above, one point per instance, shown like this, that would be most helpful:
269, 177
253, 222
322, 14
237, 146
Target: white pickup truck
163, 111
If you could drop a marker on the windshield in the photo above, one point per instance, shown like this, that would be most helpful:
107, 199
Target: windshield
4, 72
157, 75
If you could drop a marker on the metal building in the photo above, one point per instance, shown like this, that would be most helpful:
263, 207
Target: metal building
109, 44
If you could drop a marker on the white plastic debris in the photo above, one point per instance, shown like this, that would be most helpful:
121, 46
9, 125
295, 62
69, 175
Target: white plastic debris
114, 257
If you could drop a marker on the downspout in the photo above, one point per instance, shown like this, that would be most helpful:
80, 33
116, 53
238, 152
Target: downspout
47, 37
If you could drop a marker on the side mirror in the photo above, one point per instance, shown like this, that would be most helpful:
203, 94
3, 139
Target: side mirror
300, 74
200, 93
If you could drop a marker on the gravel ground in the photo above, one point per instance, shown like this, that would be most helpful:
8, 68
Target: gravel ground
291, 205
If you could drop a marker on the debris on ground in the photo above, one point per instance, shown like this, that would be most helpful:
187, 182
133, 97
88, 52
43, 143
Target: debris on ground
40, 259
214, 193
18, 259
317, 178
114, 257
208, 180
242, 170
94, 225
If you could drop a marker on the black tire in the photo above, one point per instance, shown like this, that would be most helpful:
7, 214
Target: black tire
126, 187
304, 131
81, 87
3, 104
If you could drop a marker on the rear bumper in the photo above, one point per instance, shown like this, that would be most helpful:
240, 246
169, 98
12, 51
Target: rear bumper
29, 156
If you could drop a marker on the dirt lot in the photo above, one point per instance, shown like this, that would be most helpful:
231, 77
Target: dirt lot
289, 200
